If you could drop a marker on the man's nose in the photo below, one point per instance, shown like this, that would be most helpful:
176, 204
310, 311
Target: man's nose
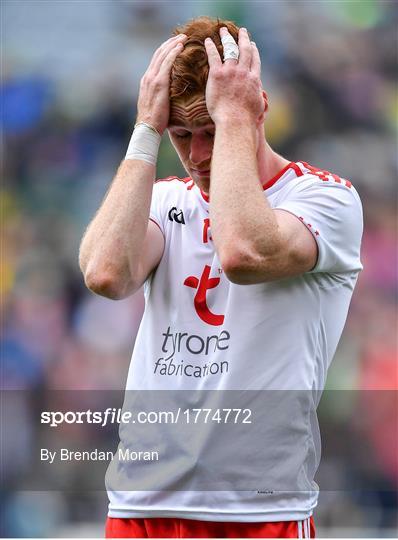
201, 148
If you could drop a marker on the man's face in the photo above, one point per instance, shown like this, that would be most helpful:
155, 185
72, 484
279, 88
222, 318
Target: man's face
191, 132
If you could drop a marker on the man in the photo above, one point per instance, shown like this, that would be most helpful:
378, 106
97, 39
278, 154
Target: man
248, 268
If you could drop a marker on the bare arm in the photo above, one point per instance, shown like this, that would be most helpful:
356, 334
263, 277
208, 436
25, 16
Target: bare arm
121, 247
254, 242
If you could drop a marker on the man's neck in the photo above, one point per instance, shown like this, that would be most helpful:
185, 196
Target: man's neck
269, 162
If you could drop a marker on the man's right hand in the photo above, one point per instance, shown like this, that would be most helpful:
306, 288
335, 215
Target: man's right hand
154, 99
120, 247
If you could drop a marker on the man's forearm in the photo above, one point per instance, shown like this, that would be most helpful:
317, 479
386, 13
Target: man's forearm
243, 223
112, 243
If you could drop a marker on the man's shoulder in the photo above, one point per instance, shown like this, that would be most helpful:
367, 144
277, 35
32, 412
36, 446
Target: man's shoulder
173, 194
311, 180
172, 187
326, 177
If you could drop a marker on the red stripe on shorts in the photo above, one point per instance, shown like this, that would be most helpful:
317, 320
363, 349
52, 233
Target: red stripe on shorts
160, 527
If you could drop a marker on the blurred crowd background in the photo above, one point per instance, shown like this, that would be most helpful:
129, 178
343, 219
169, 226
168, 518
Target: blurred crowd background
70, 76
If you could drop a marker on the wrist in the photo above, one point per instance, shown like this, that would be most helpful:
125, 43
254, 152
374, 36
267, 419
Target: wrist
242, 126
148, 125
144, 143
146, 119
232, 117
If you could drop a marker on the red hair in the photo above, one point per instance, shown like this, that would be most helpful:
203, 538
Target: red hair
190, 70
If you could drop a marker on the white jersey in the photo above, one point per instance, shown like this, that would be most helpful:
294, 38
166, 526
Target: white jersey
201, 332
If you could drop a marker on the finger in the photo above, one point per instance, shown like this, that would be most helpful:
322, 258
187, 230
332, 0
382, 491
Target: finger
245, 48
213, 55
169, 59
256, 61
164, 49
230, 47
181, 38
162, 46
163, 55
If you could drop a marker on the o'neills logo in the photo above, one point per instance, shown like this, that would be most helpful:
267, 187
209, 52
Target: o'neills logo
191, 344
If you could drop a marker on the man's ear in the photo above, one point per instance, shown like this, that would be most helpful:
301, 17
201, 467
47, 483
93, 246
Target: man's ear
261, 118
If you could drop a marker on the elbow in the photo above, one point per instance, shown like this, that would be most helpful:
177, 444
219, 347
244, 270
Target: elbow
104, 279
249, 267
238, 267
107, 284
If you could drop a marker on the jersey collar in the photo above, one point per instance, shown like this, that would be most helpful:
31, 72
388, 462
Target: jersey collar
290, 166
279, 175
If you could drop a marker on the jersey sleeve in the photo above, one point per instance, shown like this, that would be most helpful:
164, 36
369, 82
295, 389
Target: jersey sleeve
333, 213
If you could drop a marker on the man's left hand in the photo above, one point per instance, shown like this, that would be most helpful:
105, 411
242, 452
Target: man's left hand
234, 88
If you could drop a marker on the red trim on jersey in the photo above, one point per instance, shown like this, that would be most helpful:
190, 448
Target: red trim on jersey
290, 165
171, 178
205, 195
326, 176
320, 173
205, 236
187, 181
156, 223
167, 179
273, 180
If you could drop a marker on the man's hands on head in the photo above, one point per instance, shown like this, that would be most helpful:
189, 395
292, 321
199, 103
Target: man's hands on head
254, 243
234, 89
154, 99
121, 247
